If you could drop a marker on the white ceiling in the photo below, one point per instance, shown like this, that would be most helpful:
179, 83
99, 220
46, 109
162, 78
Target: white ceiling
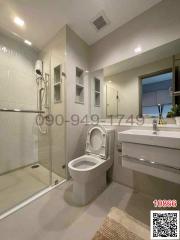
44, 18
154, 55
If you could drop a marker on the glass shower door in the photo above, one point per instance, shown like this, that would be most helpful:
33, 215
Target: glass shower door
25, 166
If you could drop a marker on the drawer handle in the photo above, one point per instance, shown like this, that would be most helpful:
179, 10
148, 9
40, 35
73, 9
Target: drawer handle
152, 163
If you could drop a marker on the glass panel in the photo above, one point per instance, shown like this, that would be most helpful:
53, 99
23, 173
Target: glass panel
22, 175
57, 130
23, 144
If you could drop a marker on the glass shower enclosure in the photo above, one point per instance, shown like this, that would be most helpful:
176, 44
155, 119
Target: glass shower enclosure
25, 147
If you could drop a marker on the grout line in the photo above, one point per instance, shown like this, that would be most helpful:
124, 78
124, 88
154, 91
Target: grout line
30, 200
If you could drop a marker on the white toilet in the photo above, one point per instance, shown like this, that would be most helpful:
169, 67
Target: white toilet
89, 172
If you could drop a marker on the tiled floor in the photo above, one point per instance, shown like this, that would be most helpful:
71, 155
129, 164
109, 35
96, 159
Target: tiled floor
53, 216
21, 184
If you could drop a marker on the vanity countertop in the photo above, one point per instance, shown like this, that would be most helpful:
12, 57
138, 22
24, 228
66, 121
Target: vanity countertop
170, 139
135, 125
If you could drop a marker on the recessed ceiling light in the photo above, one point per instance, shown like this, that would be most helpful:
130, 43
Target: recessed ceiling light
138, 49
86, 71
19, 21
109, 81
28, 42
4, 49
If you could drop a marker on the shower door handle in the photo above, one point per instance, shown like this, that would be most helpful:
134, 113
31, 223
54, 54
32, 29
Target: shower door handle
20, 110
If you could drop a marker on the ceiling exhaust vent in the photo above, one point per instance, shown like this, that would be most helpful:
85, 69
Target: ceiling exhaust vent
100, 21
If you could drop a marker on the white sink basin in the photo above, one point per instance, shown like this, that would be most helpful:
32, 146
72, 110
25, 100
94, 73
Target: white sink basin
170, 139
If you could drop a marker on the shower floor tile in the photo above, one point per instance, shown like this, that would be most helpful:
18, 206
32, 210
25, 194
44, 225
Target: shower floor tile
21, 184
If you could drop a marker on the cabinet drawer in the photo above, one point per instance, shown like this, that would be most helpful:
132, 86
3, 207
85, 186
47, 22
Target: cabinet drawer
167, 174
166, 156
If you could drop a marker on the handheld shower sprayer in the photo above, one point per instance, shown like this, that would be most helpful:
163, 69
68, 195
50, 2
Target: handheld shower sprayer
39, 67
42, 91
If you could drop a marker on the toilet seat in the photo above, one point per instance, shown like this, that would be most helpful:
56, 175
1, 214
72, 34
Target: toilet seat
88, 167
97, 142
85, 163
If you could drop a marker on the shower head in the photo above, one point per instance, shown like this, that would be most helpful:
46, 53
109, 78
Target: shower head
39, 67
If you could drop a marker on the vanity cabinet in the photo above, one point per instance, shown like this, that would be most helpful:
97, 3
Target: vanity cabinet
159, 161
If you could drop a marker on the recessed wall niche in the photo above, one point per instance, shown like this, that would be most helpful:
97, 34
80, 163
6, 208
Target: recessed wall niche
57, 84
79, 98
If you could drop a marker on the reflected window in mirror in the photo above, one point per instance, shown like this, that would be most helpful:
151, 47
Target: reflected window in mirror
156, 91
176, 69
97, 94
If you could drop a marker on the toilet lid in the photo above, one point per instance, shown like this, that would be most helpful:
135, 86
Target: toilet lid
96, 142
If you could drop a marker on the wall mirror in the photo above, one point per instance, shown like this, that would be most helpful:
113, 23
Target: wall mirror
141, 86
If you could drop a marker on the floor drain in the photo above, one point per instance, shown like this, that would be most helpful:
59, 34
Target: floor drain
56, 182
35, 166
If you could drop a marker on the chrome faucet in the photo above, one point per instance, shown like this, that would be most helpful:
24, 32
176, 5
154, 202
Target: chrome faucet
155, 126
